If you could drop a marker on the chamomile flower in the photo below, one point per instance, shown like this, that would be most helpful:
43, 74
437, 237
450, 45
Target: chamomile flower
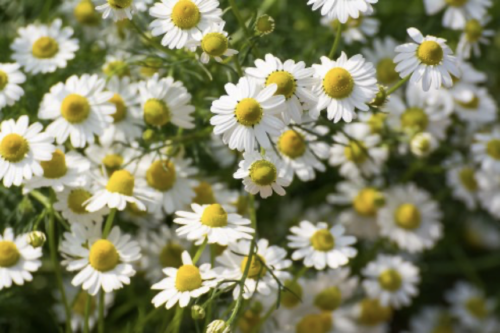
22, 149
320, 245
382, 57
343, 9
423, 144
258, 279
208, 193
369, 316
410, 218
85, 15
306, 319
262, 174
486, 150
117, 64
294, 81
433, 319
166, 101
127, 119
461, 178
80, 109
429, 61
183, 21
474, 105
109, 159
391, 280
102, 263
358, 151
346, 84
213, 223
355, 29
247, 114
18, 259
184, 283
470, 305
117, 9
70, 202
44, 48
11, 79
214, 43
458, 11
474, 34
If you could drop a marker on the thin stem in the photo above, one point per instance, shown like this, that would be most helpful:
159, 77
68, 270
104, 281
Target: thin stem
200, 251
86, 325
238, 65
336, 42
176, 321
300, 273
109, 223
101, 312
241, 22
398, 85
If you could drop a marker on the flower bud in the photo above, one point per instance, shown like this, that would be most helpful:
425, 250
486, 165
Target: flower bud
423, 144
264, 25
36, 238
218, 326
197, 312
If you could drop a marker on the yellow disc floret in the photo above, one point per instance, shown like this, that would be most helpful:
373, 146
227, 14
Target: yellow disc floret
292, 295
390, 280
468, 179
122, 182
493, 148
14, 147
204, 194
85, 13
103, 255
9, 254
323, 240
471, 105
214, 44
186, 14
477, 307
156, 112
456, 3
76, 198
214, 216
56, 167
315, 323
285, 81
161, 175
188, 278
372, 313
473, 30
338, 83
430, 53
386, 71
407, 216
292, 144
112, 162
75, 108
248, 112
329, 299
414, 119
119, 4
257, 269
118, 67
121, 108
45, 48
368, 201
4, 80
263, 172
356, 152
171, 255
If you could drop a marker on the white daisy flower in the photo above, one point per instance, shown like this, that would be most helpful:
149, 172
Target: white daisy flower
355, 29
258, 279
117, 9
127, 119
183, 21
470, 305
474, 34
461, 178
294, 81
423, 144
391, 280
343, 9
320, 246
184, 283
358, 151
410, 218
369, 316
262, 174
248, 113
474, 105
486, 150
108, 159
489, 191
70, 204
22, 148
80, 110
458, 11
101, 262
346, 84
18, 259
433, 319
381, 56
213, 223
117, 64
214, 43
44, 48
85, 15
11, 79
430, 62
166, 101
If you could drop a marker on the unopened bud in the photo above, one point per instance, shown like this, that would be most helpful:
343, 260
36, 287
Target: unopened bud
422, 144
197, 312
36, 238
218, 326
264, 25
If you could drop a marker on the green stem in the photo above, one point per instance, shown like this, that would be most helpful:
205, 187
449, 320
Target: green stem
241, 22
300, 273
398, 85
101, 312
336, 42
239, 70
176, 322
86, 326
109, 223
200, 251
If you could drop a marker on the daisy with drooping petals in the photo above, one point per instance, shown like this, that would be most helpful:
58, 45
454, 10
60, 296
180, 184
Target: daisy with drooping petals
391, 280
183, 21
214, 43
10, 80
474, 34
259, 279
320, 246
294, 81
343, 9
22, 149
247, 114
80, 109
70, 204
44, 48
382, 57
18, 259
262, 174
346, 85
102, 262
166, 101
410, 218
430, 62
184, 283
354, 30
213, 223
470, 305
458, 11
486, 150
118, 9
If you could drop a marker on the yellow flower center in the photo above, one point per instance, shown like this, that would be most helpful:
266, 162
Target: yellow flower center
477, 307
263, 173
338, 83
204, 194
150, 67
214, 44
247, 322
9, 254
85, 13
414, 119
368, 201
372, 313
285, 81
248, 112
430, 53
188, 278
161, 175
376, 122
390, 280
14, 147
386, 71
119, 4
156, 112
45, 48
468, 179
80, 302
214, 216
265, 24
56, 167
492, 148
112, 162
456, 3
118, 67
291, 296
257, 269
75, 108
133, 210
121, 108
408, 216
4, 79
292, 144
315, 323
76, 198
356, 152
323, 240
171, 255
121, 181
328, 299
186, 14
473, 30
103, 255
472, 105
